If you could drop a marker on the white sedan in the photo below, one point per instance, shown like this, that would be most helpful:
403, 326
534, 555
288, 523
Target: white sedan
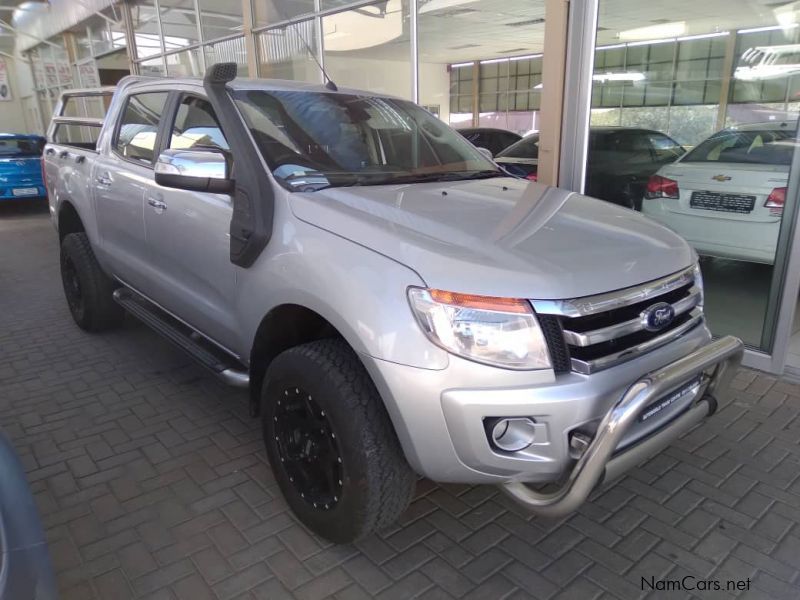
726, 196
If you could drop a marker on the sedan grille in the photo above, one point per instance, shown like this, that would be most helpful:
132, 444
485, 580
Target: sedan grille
589, 334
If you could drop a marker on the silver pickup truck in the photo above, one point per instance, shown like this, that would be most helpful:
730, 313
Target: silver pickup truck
394, 302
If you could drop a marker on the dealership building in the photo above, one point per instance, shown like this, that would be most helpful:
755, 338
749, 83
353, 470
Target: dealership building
550, 67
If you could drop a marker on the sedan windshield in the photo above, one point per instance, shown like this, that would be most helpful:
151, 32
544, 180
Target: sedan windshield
314, 140
766, 147
19, 147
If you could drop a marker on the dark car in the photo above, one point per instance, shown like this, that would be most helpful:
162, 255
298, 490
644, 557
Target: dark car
620, 161
494, 140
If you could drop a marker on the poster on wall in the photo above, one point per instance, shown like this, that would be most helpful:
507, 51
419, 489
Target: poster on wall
5, 83
88, 75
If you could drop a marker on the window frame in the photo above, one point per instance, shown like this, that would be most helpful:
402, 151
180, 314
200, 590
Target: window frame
159, 129
175, 107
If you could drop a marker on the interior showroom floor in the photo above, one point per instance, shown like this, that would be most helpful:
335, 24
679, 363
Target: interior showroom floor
152, 482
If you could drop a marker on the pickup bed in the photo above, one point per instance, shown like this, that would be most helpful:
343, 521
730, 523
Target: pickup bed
395, 304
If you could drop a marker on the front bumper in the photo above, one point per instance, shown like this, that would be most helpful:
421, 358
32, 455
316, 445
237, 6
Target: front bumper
715, 363
439, 415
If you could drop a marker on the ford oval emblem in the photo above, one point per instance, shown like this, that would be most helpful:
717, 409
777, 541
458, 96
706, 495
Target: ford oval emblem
658, 317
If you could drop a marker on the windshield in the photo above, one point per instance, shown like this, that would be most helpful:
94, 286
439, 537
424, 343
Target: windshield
527, 147
766, 147
21, 147
313, 140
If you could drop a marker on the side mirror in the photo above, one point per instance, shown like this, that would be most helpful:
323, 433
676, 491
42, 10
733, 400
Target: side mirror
195, 170
487, 153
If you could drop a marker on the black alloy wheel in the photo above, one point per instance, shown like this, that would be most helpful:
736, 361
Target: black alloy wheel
308, 449
72, 285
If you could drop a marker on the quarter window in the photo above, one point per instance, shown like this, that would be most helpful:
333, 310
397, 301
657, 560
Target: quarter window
196, 126
138, 129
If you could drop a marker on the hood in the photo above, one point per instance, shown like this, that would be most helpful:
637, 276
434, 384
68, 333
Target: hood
500, 237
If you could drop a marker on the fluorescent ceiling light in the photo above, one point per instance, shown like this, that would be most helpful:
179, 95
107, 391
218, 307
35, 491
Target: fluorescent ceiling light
490, 61
459, 65
435, 5
650, 42
770, 28
702, 36
655, 31
632, 76
611, 47
526, 57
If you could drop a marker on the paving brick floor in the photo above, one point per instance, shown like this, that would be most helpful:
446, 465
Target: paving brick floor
152, 483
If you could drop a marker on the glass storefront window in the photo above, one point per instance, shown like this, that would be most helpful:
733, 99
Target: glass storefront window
153, 67
285, 52
370, 48
483, 71
220, 19
178, 23
229, 51
696, 128
268, 12
184, 64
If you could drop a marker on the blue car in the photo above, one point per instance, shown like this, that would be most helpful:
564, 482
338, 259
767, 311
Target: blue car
20, 166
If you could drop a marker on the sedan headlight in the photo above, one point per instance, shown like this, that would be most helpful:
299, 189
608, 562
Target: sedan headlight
502, 332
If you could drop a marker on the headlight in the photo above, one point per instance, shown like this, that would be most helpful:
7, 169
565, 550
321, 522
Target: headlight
698, 281
502, 332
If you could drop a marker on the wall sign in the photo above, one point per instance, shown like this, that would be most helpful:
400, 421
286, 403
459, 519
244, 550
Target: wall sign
5, 82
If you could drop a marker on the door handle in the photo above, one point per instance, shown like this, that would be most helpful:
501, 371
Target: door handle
157, 204
103, 179
64, 154
49, 152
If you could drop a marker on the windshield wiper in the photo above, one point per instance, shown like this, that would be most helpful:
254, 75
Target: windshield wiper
446, 176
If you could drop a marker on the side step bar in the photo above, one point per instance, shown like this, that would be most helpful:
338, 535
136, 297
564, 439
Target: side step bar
215, 359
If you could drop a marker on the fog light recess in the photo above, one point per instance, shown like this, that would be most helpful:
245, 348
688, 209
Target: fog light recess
512, 434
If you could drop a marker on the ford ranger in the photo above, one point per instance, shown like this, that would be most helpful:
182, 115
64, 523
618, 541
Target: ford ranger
395, 304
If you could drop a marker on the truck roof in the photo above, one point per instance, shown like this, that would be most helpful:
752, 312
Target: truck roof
245, 83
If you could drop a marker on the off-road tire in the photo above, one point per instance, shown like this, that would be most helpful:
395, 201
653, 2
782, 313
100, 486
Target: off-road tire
91, 304
376, 483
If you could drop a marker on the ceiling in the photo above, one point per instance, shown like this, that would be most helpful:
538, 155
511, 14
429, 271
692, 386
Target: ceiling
7, 37
452, 31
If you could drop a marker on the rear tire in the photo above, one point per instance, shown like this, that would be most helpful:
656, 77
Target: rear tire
87, 288
332, 447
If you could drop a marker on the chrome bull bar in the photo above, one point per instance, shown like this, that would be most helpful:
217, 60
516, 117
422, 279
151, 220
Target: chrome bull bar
717, 362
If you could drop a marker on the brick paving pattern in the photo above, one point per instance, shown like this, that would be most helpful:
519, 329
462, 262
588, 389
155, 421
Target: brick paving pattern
152, 483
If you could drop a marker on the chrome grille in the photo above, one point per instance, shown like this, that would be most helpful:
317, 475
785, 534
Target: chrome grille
605, 330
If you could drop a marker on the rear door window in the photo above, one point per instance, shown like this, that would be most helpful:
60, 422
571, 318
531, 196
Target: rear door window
138, 128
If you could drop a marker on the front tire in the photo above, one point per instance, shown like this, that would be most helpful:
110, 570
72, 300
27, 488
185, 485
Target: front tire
87, 288
331, 444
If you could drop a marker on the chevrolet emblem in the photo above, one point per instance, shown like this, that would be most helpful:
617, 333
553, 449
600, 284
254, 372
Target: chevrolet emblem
721, 178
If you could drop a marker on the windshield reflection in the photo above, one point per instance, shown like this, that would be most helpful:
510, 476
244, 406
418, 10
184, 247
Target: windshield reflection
315, 140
